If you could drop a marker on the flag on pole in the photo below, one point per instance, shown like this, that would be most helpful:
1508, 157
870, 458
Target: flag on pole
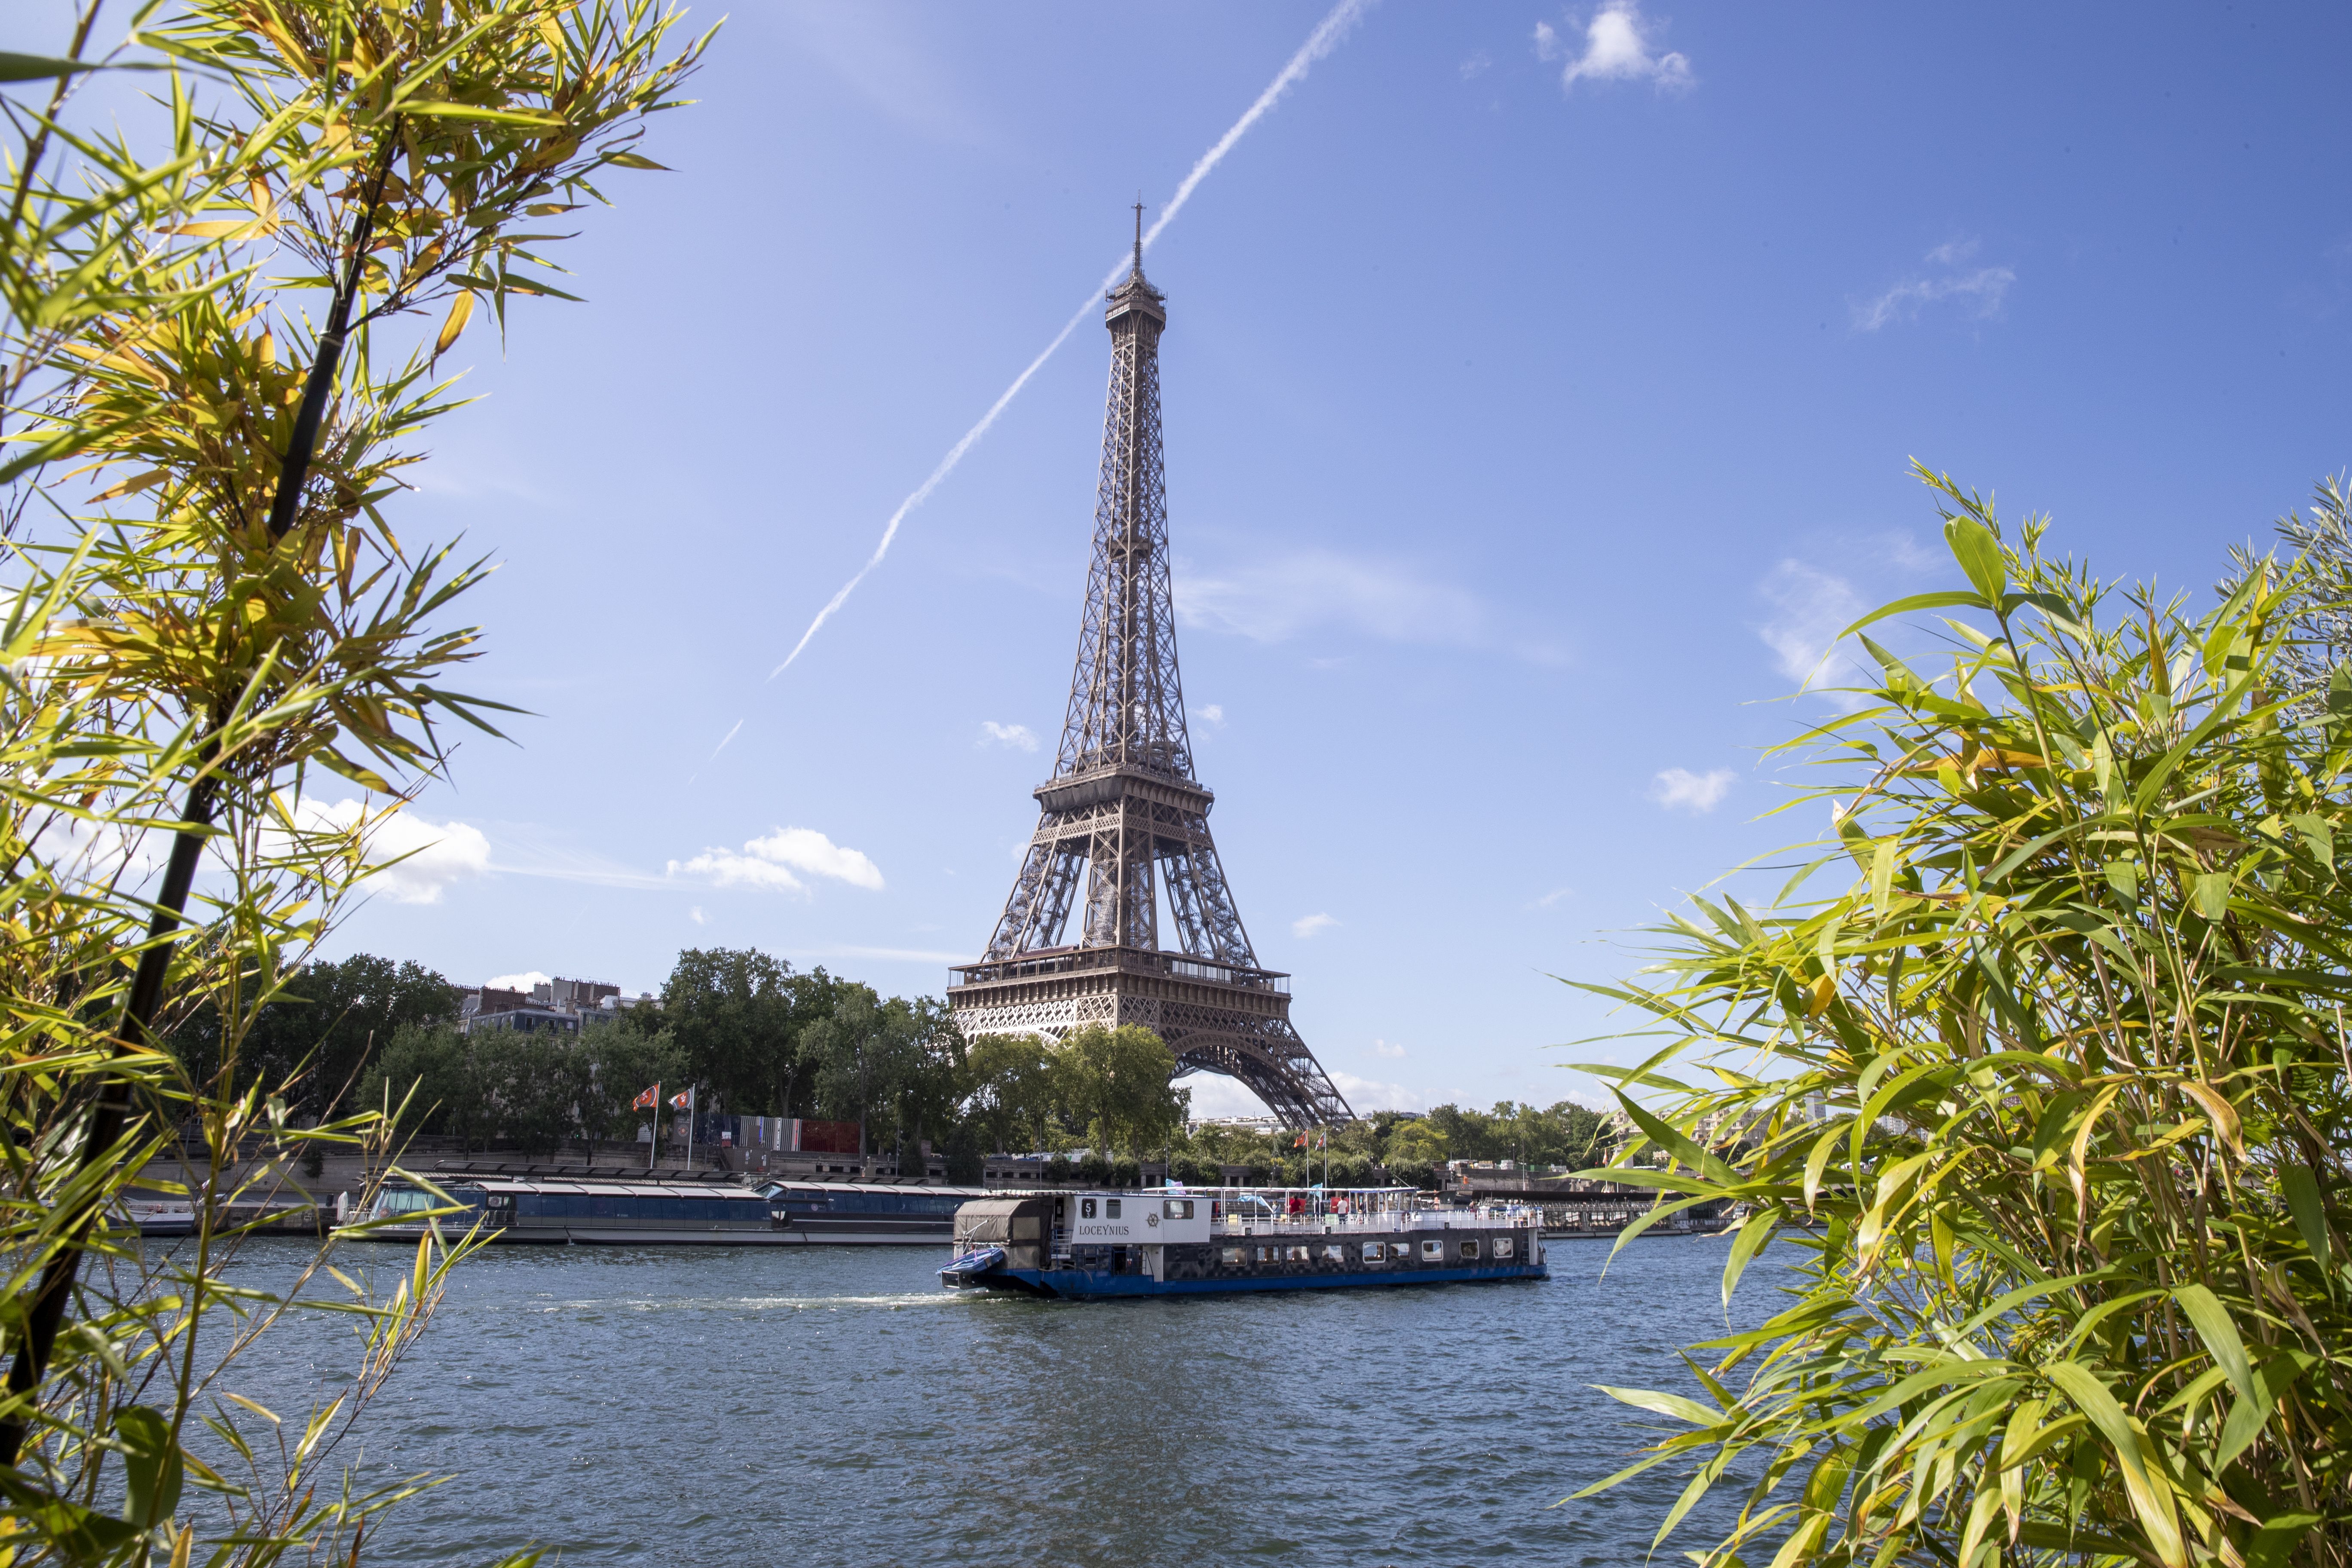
1299, 1142
681, 1101
646, 1100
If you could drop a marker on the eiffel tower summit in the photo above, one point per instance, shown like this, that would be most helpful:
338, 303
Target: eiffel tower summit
1124, 808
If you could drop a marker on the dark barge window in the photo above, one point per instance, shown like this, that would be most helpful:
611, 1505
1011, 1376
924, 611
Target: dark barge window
583, 1205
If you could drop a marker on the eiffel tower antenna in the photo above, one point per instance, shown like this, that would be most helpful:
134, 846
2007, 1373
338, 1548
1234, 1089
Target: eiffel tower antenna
1124, 808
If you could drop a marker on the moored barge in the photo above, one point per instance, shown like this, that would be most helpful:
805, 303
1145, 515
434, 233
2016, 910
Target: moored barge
665, 1214
1174, 1242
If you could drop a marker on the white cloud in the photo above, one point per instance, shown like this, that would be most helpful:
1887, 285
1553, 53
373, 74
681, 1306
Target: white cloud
1981, 288
522, 982
1366, 1095
1554, 897
1383, 1049
1020, 737
1309, 925
770, 862
1680, 787
1274, 600
695, 914
725, 869
1213, 1094
430, 855
1213, 712
1617, 48
1216, 1095
1812, 608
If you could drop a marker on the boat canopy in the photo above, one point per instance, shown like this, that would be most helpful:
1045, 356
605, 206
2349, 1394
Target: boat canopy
990, 1219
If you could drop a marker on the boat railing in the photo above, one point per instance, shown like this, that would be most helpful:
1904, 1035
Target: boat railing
1384, 1222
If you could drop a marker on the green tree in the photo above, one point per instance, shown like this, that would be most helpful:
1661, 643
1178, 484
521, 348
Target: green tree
929, 1080
2057, 1083
1415, 1142
319, 1031
895, 1067
739, 1016
622, 1062
533, 1083
1113, 1089
1011, 1093
422, 1075
1467, 1135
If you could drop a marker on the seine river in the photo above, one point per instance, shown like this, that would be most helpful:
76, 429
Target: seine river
832, 1405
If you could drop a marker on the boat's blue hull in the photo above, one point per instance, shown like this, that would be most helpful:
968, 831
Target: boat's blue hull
1087, 1284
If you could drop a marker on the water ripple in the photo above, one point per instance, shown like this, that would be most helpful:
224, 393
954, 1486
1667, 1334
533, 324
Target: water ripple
773, 1404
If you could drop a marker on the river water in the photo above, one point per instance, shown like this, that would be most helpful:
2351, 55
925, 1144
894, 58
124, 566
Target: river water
832, 1405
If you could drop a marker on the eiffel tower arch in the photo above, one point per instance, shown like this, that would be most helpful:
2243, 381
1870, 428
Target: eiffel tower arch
1124, 817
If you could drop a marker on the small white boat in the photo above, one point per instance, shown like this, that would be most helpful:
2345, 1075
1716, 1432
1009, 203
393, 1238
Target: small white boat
157, 1216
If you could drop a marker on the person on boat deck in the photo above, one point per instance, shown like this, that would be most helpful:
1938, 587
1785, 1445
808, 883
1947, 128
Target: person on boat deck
1298, 1204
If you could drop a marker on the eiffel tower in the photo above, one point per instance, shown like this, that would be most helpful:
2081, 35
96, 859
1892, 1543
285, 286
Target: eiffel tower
1123, 806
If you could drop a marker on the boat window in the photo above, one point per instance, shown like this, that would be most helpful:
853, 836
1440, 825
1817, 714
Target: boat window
1502, 1246
1335, 1254
404, 1200
1469, 1249
1295, 1254
1372, 1252
1177, 1208
1086, 1208
1111, 1208
1231, 1254
1432, 1249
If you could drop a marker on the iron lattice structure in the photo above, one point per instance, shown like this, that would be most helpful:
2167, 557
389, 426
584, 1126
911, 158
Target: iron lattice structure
1124, 809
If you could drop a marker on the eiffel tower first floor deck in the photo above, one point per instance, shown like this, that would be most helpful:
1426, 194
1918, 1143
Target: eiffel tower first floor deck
1076, 986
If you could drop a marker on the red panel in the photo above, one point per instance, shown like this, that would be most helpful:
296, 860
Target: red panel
829, 1137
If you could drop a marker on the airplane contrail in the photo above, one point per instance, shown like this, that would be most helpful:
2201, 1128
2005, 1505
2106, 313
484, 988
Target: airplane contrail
1326, 38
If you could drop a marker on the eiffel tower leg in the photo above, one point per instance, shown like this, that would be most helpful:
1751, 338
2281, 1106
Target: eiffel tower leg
1039, 906
1120, 909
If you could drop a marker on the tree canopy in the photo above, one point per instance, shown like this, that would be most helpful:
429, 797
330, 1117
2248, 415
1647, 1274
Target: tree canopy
318, 1032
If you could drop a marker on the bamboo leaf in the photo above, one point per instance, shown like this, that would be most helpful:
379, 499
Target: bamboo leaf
1673, 1405
461, 310
1751, 1239
2211, 1321
41, 67
2303, 1201
1978, 554
2151, 1494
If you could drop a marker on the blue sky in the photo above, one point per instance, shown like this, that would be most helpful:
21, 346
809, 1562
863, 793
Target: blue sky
1539, 390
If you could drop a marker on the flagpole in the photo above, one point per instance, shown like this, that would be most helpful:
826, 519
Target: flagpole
689, 1130
653, 1144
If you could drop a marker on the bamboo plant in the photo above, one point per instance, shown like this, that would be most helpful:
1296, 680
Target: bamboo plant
2045, 1110
218, 363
